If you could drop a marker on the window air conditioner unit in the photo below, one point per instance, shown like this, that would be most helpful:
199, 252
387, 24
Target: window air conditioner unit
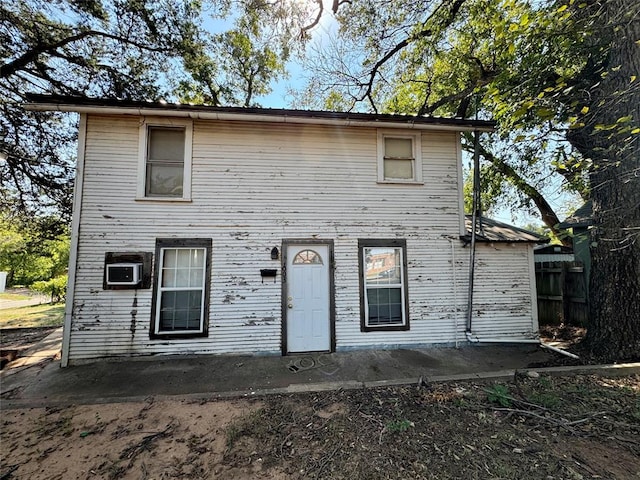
124, 273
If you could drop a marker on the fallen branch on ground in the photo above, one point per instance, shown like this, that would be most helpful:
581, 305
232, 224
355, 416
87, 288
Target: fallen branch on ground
133, 451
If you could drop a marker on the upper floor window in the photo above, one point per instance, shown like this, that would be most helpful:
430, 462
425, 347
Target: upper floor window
165, 162
399, 158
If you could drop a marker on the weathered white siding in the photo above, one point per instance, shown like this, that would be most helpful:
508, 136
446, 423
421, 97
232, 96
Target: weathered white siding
503, 292
254, 185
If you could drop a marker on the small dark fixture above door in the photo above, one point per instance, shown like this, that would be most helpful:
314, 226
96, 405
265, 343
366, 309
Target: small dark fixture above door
275, 254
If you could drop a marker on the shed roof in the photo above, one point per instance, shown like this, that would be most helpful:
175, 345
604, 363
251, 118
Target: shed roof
582, 217
498, 232
279, 115
552, 250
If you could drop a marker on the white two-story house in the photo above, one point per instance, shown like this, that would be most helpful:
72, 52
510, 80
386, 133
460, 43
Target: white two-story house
214, 230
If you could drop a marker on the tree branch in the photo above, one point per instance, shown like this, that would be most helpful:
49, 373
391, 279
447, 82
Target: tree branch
547, 213
316, 21
461, 95
32, 55
455, 7
486, 76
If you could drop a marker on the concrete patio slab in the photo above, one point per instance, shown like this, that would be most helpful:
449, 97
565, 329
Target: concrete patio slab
40, 381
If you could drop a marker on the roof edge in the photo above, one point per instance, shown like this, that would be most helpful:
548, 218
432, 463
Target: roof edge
489, 223
41, 102
480, 239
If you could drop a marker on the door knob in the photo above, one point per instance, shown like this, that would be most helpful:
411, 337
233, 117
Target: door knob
290, 305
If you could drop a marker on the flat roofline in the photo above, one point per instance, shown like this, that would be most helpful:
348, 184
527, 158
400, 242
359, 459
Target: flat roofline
38, 102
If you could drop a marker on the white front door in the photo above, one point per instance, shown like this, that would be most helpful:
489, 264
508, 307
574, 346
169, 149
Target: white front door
307, 307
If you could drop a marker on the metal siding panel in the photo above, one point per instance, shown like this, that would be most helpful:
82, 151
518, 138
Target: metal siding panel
252, 186
503, 303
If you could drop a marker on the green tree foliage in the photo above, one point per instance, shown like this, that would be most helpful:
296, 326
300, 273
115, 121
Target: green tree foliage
235, 66
244, 68
490, 194
111, 48
55, 288
33, 249
12, 244
123, 49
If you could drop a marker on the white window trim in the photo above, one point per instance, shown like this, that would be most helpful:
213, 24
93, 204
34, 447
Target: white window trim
162, 289
142, 157
416, 142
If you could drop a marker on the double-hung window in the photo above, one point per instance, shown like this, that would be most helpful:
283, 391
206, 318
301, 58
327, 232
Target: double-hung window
399, 157
165, 160
181, 289
383, 285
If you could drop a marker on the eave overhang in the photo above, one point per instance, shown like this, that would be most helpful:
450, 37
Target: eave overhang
39, 102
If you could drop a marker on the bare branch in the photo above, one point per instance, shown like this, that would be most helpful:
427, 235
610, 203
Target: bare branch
316, 21
455, 7
32, 55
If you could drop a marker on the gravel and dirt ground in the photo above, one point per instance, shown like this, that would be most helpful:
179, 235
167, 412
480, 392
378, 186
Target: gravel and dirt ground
577, 427
573, 427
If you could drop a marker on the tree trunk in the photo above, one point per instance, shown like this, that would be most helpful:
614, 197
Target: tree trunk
614, 327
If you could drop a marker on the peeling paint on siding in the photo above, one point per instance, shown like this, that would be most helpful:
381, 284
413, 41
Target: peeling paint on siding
134, 312
246, 185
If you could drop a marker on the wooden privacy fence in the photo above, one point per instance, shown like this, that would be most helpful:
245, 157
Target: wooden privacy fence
562, 293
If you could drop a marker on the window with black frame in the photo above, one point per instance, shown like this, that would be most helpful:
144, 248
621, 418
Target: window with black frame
383, 284
181, 288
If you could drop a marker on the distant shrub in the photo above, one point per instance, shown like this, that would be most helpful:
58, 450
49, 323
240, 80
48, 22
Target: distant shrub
56, 288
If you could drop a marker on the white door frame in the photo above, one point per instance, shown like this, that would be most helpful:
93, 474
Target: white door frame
332, 316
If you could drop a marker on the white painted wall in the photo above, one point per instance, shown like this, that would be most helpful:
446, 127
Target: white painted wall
503, 293
253, 186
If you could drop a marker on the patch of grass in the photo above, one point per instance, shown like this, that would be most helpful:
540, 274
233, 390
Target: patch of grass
546, 391
13, 296
233, 432
499, 394
45, 315
546, 399
545, 382
399, 425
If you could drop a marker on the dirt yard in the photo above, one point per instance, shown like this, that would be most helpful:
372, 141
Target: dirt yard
582, 427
